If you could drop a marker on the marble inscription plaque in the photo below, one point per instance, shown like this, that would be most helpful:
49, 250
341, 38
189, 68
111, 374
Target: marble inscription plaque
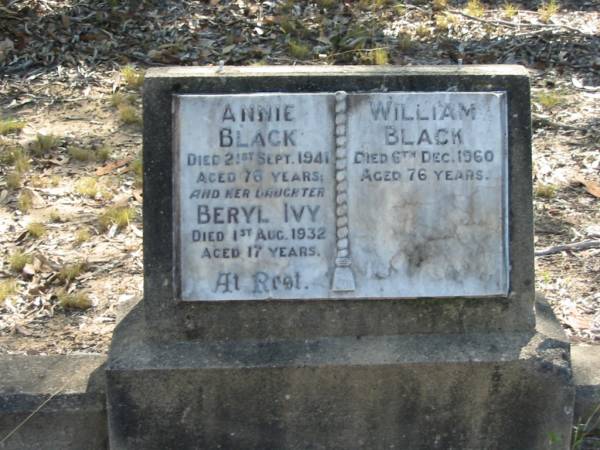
256, 195
428, 194
337, 195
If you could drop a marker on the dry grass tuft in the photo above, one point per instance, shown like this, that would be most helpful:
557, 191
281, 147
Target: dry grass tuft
120, 98
38, 182
327, 4
137, 166
7, 288
15, 156
474, 8
55, 180
545, 191
439, 5
129, 115
82, 235
548, 10
376, 56
17, 260
43, 143
116, 215
549, 99
36, 229
8, 126
71, 271
298, 50
103, 154
25, 201
75, 300
132, 77
56, 216
87, 186
14, 179
510, 10
82, 154
441, 22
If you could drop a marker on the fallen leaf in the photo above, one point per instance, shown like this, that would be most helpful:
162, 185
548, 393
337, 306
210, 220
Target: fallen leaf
112, 166
228, 49
591, 186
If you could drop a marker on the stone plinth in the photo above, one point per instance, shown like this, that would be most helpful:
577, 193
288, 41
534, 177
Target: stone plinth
493, 391
387, 302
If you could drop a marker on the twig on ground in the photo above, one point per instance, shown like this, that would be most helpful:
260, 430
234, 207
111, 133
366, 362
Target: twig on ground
518, 25
574, 247
545, 120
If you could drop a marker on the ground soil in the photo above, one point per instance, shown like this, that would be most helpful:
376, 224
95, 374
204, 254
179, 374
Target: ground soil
62, 62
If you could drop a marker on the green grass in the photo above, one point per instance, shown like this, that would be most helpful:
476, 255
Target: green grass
116, 215
75, 300
8, 126
36, 230
133, 78
18, 260
8, 287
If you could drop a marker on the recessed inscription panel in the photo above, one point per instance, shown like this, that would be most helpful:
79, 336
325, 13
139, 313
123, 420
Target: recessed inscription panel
427, 194
336, 195
255, 195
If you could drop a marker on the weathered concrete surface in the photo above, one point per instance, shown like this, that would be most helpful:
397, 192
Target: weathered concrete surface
278, 319
472, 391
586, 374
74, 418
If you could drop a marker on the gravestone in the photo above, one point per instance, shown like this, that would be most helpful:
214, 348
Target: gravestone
338, 257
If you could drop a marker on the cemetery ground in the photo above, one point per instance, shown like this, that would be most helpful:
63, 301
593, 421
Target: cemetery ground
70, 144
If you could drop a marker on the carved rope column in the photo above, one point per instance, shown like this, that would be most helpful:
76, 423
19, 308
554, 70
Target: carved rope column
343, 278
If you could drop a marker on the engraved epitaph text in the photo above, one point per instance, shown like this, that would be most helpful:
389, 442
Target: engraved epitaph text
340, 195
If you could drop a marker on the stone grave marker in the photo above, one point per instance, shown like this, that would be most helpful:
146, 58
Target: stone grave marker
337, 257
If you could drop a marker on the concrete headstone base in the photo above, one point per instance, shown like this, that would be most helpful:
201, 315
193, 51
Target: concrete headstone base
52, 402
471, 391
